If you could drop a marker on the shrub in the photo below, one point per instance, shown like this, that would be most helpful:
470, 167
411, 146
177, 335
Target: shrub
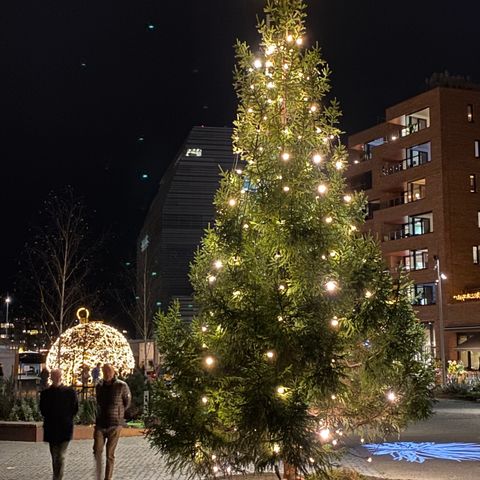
7, 398
87, 412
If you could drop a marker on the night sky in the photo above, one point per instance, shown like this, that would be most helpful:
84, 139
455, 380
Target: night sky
95, 94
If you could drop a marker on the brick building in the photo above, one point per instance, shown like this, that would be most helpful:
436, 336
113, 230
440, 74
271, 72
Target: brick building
421, 172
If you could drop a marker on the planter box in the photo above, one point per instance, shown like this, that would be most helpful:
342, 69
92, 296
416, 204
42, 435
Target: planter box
33, 432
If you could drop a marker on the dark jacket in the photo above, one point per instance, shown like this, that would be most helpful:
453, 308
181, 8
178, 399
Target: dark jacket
112, 400
58, 406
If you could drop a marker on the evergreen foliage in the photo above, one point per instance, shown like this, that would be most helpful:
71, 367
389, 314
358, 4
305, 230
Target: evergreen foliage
302, 334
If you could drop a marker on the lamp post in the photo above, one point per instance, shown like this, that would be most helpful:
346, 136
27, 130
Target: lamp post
8, 300
441, 327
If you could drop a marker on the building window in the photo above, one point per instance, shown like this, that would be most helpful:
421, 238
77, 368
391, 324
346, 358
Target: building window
473, 183
477, 148
475, 253
478, 218
423, 294
470, 112
416, 260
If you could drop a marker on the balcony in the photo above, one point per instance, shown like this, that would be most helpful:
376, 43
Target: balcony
417, 226
419, 124
406, 197
416, 159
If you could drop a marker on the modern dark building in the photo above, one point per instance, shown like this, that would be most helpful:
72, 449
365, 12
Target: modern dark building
178, 216
421, 171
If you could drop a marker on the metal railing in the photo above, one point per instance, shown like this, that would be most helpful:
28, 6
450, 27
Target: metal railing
419, 226
408, 196
416, 159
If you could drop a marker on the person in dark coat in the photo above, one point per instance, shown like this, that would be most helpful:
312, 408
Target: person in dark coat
113, 398
58, 405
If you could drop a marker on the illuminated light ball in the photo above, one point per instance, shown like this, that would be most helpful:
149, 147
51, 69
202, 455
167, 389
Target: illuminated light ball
281, 390
218, 264
280, 318
311, 460
368, 294
204, 400
271, 49
334, 322
239, 171
268, 64
232, 202
331, 137
212, 278
285, 66
334, 442
369, 459
333, 253
209, 361
339, 165
204, 328
285, 156
347, 198
289, 38
89, 344
329, 220
333, 397
362, 440
391, 397
276, 448
353, 228
246, 226
313, 108
270, 354
317, 158
324, 257
250, 110
322, 189
281, 287
286, 189
215, 469
270, 85
324, 433
331, 286
257, 63
299, 41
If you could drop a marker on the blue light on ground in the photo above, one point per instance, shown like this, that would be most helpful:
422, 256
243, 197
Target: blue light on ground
419, 452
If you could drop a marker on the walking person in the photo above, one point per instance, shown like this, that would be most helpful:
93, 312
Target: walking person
96, 374
113, 398
58, 405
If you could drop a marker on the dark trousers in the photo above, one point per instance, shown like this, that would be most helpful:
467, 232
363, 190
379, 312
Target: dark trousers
110, 436
57, 450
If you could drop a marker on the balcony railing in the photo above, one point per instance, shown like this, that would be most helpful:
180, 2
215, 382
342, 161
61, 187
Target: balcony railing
407, 197
414, 160
419, 226
419, 124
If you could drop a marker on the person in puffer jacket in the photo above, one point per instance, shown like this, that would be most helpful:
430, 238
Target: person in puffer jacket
113, 398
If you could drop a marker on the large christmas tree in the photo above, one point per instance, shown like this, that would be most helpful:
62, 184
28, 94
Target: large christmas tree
303, 335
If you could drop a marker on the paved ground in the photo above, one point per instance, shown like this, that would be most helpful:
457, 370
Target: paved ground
454, 421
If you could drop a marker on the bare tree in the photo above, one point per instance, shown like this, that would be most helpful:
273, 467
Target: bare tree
59, 262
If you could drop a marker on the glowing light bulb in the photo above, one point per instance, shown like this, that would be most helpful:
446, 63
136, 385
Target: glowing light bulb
232, 202
257, 63
250, 110
270, 354
276, 448
212, 278
311, 460
313, 108
281, 287
299, 41
368, 294
286, 189
333, 397
285, 66
334, 322
331, 286
333, 253
334, 442
347, 198
339, 165
204, 328
239, 171
369, 459
317, 158
280, 318
281, 390
362, 440
246, 226
215, 469
328, 220
218, 264
271, 49
289, 38
209, 361
285, 156
322, 189
324, 433
353, 228
214, 457
391, 397
270, 85
204, 400
269, 64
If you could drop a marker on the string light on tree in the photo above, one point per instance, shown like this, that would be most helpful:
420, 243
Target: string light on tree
331, 286
285, 156
347, 198
391, 397
204, 400
322, 189
317, 158
257, 63
209, 361
232, 202
334, 322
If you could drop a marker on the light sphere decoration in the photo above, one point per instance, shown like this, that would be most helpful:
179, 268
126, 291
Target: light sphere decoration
88, 344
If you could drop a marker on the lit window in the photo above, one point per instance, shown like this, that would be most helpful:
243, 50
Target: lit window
473, 183
475, 251
194, 152
478, 218
477, 148
470, 112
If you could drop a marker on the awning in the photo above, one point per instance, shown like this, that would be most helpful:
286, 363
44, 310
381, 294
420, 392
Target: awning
473, 343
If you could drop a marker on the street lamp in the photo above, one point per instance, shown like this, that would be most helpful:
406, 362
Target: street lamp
8, 300
441, 327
